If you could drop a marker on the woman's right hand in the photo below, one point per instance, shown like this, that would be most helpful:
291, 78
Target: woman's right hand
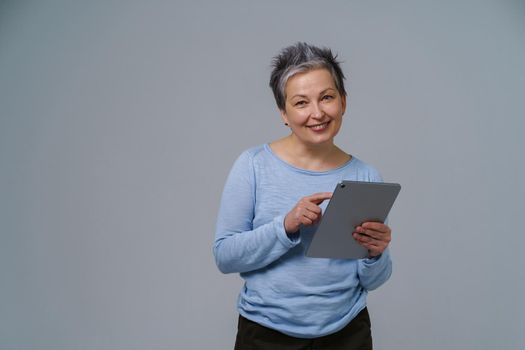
306, 212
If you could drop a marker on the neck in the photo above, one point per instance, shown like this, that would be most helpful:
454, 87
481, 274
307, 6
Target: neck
319, 157
311, 151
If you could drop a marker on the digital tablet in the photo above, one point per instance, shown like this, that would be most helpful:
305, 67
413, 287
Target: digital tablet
352, 203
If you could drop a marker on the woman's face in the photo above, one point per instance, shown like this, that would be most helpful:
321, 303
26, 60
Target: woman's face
314, 108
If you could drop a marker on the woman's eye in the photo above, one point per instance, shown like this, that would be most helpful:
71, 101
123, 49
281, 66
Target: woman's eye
300, 103
327, 97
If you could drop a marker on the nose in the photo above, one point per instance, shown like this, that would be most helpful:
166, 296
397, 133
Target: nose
316, 112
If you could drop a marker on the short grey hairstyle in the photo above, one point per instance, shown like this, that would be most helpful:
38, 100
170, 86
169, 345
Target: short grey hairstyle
300, 58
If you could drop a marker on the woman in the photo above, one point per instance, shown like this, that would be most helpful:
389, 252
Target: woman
272, 200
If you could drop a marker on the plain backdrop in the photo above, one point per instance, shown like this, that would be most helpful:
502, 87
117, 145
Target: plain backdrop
119, 122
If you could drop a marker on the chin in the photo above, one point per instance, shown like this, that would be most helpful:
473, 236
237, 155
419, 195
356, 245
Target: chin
320, 141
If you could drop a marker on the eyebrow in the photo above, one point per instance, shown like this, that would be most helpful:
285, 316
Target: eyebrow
322, 92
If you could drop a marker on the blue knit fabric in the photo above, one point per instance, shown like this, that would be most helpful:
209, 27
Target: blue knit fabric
285, 290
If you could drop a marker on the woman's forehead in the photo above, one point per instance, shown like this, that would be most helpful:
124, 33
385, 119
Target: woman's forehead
313, 81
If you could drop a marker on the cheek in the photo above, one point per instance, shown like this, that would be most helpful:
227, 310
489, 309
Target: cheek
336, 112
298, 117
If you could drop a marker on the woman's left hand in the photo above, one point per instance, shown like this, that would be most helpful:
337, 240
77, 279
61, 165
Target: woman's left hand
374, 236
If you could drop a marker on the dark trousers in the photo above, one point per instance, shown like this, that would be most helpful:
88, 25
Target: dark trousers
354, 336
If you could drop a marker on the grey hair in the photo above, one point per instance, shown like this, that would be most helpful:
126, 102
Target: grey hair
301, 58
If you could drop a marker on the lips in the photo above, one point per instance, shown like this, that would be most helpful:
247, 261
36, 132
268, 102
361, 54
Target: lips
319, 127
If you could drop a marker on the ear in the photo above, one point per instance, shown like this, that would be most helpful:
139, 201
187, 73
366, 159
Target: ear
284, 117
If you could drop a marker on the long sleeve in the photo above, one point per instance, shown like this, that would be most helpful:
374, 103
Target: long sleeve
374, 272
238, 246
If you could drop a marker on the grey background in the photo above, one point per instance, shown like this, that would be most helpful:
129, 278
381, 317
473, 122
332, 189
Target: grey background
119, 121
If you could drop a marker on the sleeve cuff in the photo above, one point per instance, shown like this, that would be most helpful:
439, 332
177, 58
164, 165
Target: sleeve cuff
288, 241
376, 260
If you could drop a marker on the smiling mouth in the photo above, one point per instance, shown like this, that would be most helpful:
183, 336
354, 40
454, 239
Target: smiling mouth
318, 127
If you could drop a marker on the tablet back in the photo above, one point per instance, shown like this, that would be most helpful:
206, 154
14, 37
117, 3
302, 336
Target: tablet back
352, 203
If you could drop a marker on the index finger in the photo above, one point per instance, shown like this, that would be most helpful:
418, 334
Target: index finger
319, 197
376, 226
